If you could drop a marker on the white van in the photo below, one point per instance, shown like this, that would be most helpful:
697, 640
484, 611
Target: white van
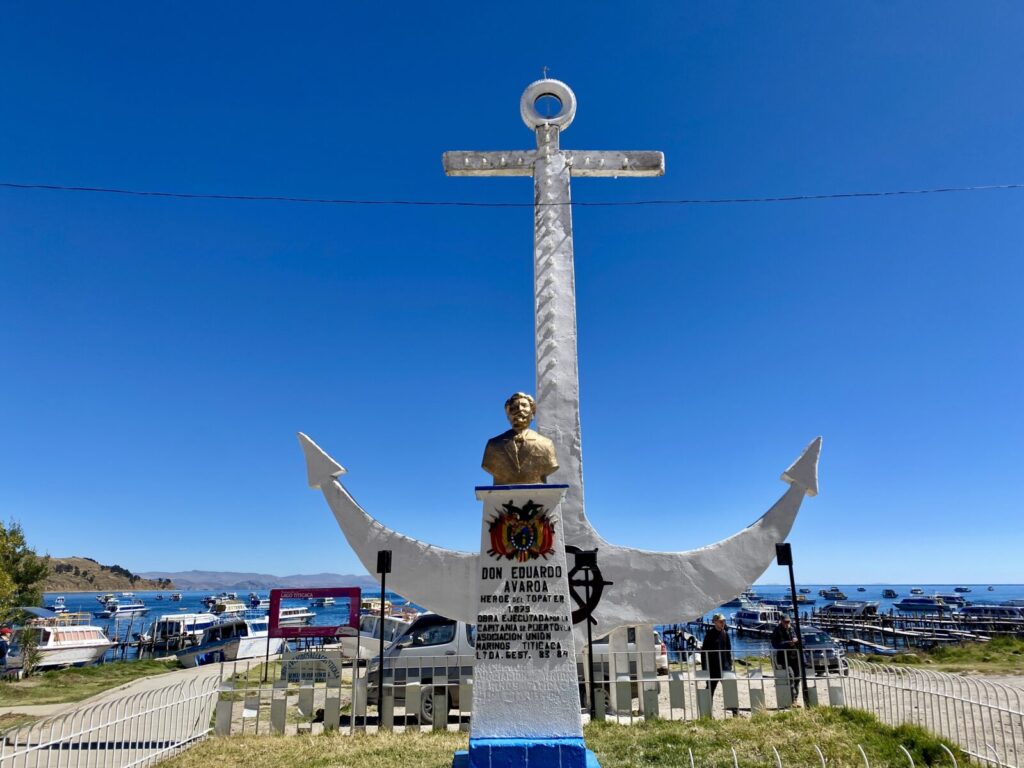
436, 651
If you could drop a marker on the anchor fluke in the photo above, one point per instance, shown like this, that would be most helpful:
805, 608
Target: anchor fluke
804, 471
320, 467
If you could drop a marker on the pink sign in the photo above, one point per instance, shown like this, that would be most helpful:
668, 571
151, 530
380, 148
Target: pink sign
352, 594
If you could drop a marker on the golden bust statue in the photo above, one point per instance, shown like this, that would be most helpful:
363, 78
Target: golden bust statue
520, 456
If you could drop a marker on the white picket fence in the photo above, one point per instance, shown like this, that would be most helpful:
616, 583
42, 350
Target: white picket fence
135, 730
983, 718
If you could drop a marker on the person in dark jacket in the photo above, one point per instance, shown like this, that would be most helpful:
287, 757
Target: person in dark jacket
786, 654
716, 652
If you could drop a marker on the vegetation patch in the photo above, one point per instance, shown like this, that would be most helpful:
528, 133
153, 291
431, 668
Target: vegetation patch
999, 656
794, 734
12, 720
76, 683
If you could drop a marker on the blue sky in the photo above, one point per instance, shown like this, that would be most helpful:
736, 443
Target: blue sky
159, 355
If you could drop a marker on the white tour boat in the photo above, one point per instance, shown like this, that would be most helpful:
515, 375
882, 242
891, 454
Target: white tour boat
229, 606
67, 640
179, 630
115, 609
229, 640
321, 602
759, 617
298, 616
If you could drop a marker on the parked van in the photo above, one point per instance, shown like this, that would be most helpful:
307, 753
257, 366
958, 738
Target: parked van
437, 651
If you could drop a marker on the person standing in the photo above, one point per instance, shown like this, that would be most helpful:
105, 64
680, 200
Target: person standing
716, 653
786, 653
5, 647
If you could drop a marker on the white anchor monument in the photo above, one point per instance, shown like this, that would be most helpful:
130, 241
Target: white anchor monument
515, 705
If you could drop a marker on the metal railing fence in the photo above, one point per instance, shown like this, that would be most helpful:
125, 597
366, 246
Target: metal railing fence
984, 717
314, 692
136, 730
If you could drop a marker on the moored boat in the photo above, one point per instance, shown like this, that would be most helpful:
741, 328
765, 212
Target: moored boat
745, 599
890, 594
229, 640
229, 606
851, 608
760, 617
176, 597
66, 640
178, 630
294, 616
916, 591
921, 604
832, 593
58, 605
115, 609
961, 589
370, 606
321, 602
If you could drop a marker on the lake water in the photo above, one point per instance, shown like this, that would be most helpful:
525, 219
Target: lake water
191, 602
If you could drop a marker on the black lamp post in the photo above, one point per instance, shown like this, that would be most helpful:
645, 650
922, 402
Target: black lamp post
383, 568
784, 556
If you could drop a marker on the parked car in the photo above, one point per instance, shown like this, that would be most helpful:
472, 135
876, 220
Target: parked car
822, 654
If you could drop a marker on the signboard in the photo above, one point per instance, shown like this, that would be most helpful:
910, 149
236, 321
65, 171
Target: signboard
311, 666
352, 594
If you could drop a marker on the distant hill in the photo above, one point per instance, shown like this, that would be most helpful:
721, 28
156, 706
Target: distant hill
234, 580
83, 574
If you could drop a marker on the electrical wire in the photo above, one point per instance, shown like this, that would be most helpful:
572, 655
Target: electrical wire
478, 204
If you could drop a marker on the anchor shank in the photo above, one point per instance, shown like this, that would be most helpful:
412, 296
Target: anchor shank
558, 412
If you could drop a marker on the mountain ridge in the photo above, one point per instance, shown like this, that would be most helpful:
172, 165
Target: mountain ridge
83, 574
243, 580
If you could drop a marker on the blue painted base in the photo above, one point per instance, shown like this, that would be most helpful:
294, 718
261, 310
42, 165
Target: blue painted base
519, 753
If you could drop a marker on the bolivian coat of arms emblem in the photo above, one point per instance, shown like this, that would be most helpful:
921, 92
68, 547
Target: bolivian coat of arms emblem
522, 533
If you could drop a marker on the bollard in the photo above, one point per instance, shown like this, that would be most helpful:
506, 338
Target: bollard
440, 704
730, 691
332, 705
783, 693
413, 692
386, 709
836, 696
305, 704
222, 726
278, 706
359, 703
676, 695
704, 702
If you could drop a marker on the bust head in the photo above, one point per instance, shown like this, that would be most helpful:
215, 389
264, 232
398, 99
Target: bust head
520, 409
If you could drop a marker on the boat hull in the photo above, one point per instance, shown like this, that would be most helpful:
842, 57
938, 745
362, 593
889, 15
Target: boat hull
230, 650
72, 656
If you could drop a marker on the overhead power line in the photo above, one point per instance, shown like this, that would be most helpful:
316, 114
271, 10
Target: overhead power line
479, 204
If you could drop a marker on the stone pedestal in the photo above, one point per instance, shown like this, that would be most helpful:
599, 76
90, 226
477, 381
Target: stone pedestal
526, 701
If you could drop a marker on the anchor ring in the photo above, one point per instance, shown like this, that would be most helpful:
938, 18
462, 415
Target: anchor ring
547, 87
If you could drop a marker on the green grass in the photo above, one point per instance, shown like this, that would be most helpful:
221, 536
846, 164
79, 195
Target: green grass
657, 744
76, 683
999, 656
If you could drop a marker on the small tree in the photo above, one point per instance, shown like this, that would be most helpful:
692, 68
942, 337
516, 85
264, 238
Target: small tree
28, 640
23, 568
